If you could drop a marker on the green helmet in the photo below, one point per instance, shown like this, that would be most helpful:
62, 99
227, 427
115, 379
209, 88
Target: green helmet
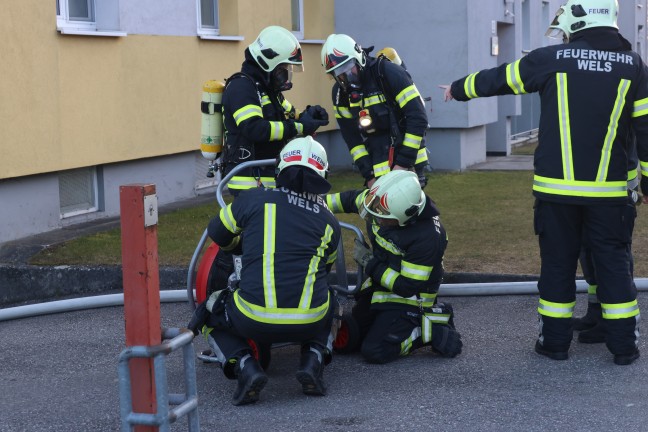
395, 195
304, 152
338, 50
577, 15
276, 45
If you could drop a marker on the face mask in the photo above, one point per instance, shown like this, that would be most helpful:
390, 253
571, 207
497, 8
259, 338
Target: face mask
281, 77
348, 77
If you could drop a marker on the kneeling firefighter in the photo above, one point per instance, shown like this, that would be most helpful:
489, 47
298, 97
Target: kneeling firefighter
397, 308
289, 246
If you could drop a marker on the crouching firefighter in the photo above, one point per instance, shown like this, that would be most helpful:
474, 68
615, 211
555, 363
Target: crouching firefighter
397, 308
289, 246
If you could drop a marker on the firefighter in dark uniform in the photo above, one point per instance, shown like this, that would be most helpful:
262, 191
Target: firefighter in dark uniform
397, 309
258, 119
378, 108
593, 92
289, 246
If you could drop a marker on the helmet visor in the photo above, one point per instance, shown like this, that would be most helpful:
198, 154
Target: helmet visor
554, 30
282, 77
348, 76
374, 206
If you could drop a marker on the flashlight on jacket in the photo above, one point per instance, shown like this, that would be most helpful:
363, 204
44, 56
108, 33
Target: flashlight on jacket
365, 119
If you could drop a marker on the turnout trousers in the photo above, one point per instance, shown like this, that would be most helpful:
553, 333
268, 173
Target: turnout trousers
607, 230
231, 329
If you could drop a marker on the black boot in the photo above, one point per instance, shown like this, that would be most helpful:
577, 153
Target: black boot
594, 335
592, 317
311, 371
554, 355
251, 380
626, 359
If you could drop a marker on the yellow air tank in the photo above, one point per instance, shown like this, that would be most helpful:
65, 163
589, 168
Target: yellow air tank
391, 54
211, 137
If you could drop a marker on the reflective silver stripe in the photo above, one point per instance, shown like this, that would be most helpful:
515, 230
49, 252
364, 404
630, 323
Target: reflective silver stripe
269, 223
381, 169
513, 78
565, 128
265, 100
620, 311
247, 112
334, 203
300, 128
286, 105
421, 156
612, 187
556, 310
632, 184
385, 244
358, 151
307, 293
406, 345
373, 100
343, 112
239, 182
276, 130
279, 315
406, 95
469, 86
412, 141
640, 108
227, 218
388, 278
622, 91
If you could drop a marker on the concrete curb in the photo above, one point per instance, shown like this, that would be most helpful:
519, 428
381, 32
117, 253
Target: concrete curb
22, 284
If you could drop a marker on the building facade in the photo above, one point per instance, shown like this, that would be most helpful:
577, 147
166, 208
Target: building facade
97, 94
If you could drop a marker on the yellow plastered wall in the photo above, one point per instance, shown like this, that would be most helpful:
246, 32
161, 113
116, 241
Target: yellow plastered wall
76, 101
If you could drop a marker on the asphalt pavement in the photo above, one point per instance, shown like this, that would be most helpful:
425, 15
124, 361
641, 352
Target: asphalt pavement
59, 373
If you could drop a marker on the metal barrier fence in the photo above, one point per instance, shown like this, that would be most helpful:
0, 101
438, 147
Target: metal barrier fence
187, 403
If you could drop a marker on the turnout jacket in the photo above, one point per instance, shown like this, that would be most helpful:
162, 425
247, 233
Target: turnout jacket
257, 123
407, 263
289, 245
398, 115
594, 94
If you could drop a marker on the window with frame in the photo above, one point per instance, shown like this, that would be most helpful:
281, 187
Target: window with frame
78, 192
208, 22
297, 14
88, 17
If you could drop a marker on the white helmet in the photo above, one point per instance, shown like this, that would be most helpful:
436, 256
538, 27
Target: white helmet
340, 49
305, 152
276, 45
577, 15
395, 195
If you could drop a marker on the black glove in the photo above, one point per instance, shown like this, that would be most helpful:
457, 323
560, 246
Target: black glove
361, 253
199, 318
309, 122
318, 112
446, 340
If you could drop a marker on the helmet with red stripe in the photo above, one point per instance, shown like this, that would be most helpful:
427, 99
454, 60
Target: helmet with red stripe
306, 152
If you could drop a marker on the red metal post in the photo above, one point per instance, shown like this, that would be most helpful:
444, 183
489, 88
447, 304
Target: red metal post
138, 207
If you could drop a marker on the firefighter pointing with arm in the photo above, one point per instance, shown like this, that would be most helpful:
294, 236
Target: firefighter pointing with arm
397, 309
289, 240
378, 108
593, 92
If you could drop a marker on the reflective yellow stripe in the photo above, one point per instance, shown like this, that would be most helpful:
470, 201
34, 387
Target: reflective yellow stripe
387, 245
556, 310
421, 156
358, 151
269, 224
332, 257
387, 297
406, 95
620, 310
469, 86
334, 203
644, 168
406, 345
274, 315
265, 100
513, 78
381, 169
355, 104
640, 108
591, 294
300, 128
565, 127
622, 91
415, 271
235, 241
227, 218
309, 282
286, 105
359, 201
240, 182
373, 100
612, 189
388, 278
276, 130
342, 112
412, 141
246, 112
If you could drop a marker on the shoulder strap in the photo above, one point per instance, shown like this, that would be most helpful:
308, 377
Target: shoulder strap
240, 75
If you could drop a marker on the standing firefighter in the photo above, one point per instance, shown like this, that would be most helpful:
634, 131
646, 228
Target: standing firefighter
289, 240
397, 309
594, 92
258, 119
378, 108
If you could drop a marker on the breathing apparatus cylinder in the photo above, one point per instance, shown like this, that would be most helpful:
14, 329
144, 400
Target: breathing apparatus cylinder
211, 137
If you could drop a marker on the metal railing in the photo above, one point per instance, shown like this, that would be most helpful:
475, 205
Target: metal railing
187, 403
